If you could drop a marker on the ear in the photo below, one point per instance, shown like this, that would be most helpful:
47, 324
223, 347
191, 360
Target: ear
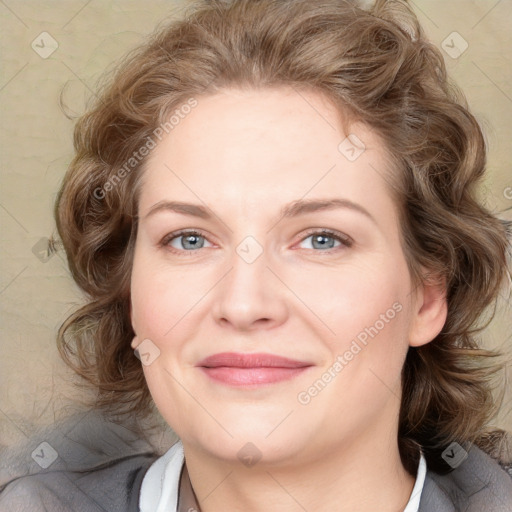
130, 307
429, 311
135, 341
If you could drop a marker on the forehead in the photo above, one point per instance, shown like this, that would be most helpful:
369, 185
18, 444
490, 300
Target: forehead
247, 147
248, 124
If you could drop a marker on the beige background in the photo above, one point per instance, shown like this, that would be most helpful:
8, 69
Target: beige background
37, 293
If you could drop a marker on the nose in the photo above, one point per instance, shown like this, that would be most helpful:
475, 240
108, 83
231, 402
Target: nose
250, 296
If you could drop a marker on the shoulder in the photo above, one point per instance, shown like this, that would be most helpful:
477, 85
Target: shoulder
479, 482
87, 464
114, 487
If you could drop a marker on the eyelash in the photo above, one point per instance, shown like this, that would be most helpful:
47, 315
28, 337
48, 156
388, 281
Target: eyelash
345, 240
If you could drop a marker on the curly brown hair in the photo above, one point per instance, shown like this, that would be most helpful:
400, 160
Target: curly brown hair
378, 68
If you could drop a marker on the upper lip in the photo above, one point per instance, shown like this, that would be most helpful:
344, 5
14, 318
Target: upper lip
262, 360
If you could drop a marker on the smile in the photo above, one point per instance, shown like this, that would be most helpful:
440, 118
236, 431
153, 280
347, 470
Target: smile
251, 369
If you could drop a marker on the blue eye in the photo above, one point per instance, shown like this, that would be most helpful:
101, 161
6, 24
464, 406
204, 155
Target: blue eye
186, 240
189, 241
324, 240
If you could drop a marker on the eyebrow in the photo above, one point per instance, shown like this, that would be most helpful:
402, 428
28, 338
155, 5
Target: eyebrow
293, 209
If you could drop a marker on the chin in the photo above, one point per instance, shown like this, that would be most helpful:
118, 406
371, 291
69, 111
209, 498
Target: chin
269, 441
251, 450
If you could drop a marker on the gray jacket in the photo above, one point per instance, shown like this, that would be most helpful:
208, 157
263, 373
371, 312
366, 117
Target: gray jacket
98, 466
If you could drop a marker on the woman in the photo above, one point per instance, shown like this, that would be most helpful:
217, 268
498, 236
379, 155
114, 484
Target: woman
272, 211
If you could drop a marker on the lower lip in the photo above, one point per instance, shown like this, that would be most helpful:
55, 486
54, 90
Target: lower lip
235, 376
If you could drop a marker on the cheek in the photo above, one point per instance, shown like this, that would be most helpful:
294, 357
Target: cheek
362, 296
370, 317
159, 298
156, 311
162, 293
368, 312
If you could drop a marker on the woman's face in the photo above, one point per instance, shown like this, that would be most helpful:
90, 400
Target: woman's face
258, 328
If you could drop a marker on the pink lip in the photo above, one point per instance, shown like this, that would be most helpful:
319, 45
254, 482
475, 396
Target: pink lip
251, 369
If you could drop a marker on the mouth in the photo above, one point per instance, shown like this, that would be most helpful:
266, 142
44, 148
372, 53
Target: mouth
236, 369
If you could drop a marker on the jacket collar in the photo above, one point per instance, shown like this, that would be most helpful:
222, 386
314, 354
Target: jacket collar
478, 484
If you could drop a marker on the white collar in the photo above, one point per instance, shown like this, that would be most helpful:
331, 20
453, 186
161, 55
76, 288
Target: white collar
413, 504
159, 491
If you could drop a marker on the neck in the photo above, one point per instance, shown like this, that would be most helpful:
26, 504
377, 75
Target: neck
333, 481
